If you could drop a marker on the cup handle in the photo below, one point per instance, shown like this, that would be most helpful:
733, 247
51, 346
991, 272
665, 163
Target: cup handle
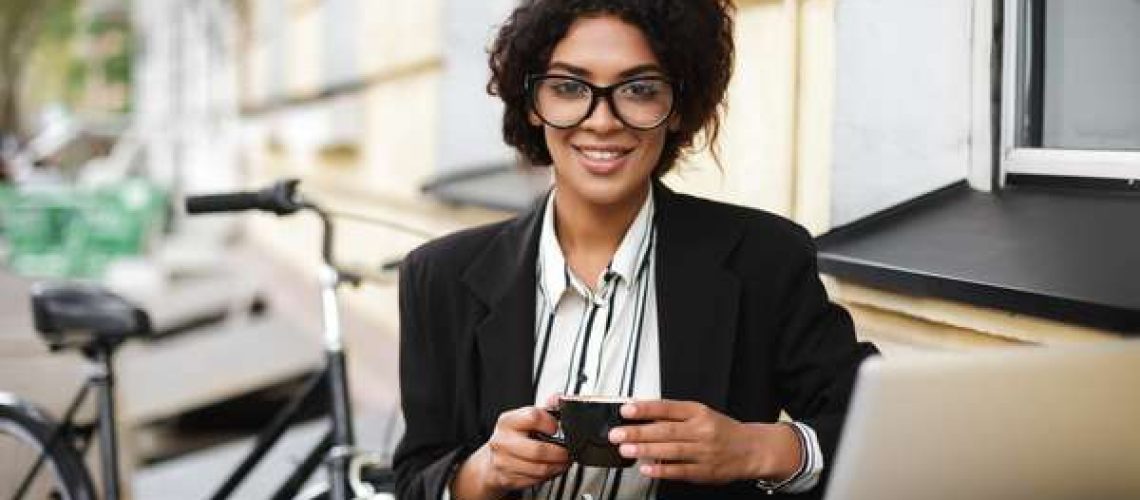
538, 436
548, 438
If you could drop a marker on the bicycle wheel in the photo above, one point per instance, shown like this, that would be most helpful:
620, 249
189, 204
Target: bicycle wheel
24, 433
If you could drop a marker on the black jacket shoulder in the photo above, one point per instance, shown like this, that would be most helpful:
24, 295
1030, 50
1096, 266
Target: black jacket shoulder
761, 221
765, 238
451, 253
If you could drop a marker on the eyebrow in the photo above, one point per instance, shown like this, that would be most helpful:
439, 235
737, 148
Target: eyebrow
631, 72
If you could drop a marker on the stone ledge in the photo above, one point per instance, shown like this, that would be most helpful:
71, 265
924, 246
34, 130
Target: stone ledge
928, 323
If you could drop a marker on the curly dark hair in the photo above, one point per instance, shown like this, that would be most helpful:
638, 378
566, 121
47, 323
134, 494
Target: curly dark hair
691, 38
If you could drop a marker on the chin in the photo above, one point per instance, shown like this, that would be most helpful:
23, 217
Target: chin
609, 191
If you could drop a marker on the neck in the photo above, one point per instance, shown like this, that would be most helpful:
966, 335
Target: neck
593, 231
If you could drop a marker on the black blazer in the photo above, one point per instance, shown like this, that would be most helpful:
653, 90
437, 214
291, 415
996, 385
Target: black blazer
745, 327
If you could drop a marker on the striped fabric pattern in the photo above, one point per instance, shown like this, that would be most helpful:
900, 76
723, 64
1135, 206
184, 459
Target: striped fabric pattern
599, 340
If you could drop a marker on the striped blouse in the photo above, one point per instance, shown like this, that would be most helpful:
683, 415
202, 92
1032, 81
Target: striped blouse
603, 341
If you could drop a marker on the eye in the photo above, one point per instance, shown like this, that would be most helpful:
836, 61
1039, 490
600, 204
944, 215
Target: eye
568, 89
645, 90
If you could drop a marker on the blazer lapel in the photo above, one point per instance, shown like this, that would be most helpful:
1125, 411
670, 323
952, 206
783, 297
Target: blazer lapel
697, 306
503, 279
697, 300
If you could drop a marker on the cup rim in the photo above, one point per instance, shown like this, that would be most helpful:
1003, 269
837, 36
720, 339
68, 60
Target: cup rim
597, 398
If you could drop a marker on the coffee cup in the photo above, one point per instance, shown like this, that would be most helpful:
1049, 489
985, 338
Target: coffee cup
585, 423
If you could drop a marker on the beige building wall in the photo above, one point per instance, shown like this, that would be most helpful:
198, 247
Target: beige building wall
303, 45
381, 172
776, 146
776, 155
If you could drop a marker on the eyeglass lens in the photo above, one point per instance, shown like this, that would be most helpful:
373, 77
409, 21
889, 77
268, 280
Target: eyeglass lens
639, 103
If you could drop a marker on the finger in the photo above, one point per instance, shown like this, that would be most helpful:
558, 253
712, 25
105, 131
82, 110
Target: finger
672, 452
656, 432
661, 409
554, 400
528, 418
533, 450
683, 472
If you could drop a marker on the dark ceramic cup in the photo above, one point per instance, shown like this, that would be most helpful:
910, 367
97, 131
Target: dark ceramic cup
585, 422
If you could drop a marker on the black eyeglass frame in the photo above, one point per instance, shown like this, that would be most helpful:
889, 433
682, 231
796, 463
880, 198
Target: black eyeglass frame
596, 93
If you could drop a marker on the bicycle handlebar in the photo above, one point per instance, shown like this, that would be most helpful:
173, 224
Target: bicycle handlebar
280, 198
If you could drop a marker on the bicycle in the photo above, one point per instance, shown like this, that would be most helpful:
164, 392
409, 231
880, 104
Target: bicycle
96, 322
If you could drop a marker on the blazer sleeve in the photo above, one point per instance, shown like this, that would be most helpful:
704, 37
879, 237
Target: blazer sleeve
431, 447
818, 355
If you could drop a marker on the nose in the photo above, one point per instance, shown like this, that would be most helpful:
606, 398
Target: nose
602, 118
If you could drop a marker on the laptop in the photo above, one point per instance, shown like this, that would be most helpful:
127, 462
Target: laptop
1024, 422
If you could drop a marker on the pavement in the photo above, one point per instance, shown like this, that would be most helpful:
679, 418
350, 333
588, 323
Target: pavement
197, 475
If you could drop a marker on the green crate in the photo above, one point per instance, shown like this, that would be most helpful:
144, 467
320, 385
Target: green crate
37, 220
73, 232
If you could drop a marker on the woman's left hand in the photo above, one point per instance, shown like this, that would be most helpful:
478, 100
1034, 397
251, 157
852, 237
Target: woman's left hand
689, 441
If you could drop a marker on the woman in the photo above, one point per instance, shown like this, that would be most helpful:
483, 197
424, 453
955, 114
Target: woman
712, 317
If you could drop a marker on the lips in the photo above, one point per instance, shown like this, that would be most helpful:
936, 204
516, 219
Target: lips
602, 160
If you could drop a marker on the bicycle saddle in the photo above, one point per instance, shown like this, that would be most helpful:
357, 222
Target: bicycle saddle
78, 314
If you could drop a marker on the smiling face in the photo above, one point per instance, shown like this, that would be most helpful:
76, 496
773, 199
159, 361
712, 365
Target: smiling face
601, 162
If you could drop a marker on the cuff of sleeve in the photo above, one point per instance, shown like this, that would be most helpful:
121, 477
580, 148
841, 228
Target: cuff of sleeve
811, 464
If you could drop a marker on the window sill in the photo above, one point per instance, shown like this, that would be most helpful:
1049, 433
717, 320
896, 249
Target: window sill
509, 188
1066, 255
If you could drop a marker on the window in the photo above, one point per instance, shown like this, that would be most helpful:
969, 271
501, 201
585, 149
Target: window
340, 33
474, 165
1071, 87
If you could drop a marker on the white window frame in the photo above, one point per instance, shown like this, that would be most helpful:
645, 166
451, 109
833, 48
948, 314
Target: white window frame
1015, 159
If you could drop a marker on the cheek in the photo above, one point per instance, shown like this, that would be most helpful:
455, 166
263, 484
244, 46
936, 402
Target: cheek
654, 142
556, 140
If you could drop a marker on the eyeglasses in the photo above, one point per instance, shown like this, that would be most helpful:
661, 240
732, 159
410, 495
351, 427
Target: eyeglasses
641, 103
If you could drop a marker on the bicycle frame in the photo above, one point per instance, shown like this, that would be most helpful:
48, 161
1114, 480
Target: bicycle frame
269, 436
338, 444
335, 448
102, 379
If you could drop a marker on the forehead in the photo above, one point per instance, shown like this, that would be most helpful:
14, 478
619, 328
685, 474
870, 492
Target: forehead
604, 46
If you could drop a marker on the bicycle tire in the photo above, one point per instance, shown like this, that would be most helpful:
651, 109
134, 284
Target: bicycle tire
24, 432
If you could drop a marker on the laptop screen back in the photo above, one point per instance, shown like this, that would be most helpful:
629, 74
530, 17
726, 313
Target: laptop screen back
1028, 422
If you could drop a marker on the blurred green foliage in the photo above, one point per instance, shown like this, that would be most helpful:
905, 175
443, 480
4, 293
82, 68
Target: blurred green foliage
41, 62
30, 31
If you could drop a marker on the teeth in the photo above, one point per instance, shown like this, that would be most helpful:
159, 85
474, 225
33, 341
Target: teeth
602, 155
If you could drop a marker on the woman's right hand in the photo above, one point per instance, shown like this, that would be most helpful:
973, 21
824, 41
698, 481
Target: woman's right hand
511, 459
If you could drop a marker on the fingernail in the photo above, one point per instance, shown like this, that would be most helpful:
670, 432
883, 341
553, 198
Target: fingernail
628, 450
628, 410
617, 436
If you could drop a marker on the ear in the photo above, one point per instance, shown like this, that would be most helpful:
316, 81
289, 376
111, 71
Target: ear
533, 119
675, 123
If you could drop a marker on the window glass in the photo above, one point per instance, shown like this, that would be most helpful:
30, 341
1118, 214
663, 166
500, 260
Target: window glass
1081, 75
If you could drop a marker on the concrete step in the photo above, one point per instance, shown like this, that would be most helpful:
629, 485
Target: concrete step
198, 475
188, 371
